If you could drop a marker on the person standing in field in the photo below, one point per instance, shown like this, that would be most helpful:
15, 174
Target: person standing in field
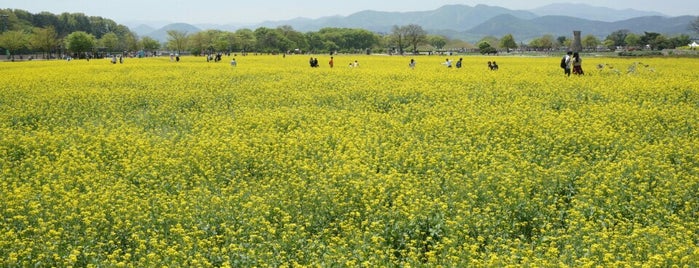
577, 64
234, 63
566, 63
412, 64
332, 62
458, 63
447, 63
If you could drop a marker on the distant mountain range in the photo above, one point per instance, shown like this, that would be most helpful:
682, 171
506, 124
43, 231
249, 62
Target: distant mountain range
471, 23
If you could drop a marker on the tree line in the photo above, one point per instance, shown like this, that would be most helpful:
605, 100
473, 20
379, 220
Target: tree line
81, 35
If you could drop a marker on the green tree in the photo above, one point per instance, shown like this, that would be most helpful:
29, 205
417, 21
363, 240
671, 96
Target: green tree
176, 40
632, 40
315, 41
13, 41
618, 38
224, 41
271, 40
399, 38
128, 41
110, 41
330, 46
149, 44
508, 42
201, 42
80, 42
246, 40
296, 39
590, 42
679, 41
544, 43
654, 40
491, 40
562, 40
485, 48
437, 41
44, 39
415, 36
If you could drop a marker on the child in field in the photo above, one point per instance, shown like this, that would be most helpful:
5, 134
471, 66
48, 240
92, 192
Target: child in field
447, 63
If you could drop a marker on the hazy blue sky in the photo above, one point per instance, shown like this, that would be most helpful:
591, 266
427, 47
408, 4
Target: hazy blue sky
252, 11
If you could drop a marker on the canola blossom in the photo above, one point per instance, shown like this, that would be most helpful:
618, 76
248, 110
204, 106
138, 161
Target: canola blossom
275, 164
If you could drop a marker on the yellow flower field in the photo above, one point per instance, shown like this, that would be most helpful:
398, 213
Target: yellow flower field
276, 164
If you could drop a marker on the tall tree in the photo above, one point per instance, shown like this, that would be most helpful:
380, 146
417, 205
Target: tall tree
79, 42
679, 41
618, 37
508, 42
267, 39
44, 39
149, 44
110, 41
415, 36
128, 40
201, 42
590, 42
13, 41
224, 41
545, 42
562, 40
296, 39
399, 38
485, 48
632, 40
246, 39
176, 40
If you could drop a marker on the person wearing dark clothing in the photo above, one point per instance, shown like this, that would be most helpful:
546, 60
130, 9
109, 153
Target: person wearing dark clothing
577, 64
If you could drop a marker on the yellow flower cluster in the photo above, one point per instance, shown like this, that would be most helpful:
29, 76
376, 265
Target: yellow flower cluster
275, 164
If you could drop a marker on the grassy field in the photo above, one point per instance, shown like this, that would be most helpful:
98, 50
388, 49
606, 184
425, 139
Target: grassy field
276, 164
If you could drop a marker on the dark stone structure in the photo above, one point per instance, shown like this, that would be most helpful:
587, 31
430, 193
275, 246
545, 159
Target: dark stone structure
577, 43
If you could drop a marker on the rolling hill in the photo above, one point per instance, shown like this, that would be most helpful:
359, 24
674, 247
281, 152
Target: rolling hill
471, 23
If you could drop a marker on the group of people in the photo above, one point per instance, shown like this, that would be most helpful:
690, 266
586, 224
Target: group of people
215, 58
493, 66
572, 63
114, 59
313, 62
448, 63
175, 57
